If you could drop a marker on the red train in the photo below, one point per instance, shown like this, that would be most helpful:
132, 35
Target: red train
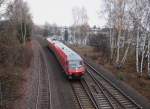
70, 61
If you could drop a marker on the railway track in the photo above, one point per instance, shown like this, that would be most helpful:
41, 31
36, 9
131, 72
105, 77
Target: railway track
104, 101
43, 98
94, 91
82, 97
107, 94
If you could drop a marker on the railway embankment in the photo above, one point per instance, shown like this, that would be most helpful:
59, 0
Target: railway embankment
14, 60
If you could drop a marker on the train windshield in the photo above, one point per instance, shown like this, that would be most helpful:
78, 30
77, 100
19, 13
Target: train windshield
75, 64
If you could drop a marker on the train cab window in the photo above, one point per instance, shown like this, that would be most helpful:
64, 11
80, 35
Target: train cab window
75, 64
81, 63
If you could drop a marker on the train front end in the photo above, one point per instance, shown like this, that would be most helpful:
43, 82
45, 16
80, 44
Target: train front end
76, 68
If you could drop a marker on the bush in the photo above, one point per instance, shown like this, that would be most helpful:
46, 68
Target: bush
11, 60
120, 76
101, 43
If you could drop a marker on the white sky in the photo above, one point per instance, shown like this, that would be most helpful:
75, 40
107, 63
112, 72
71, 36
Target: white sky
60, 11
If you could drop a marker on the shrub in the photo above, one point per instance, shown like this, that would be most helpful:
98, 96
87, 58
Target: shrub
120, 76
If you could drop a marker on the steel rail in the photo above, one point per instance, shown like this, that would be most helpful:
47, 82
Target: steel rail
41, 79
78, 99
102, 90
49, 87
38, 86
49, 81
89, 96
100, 86
113, 85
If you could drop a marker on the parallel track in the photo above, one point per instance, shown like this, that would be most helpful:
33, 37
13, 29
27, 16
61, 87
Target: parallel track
82, 95
43, 99
113, 97
104, 101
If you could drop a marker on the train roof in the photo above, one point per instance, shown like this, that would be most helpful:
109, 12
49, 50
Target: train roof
70, 53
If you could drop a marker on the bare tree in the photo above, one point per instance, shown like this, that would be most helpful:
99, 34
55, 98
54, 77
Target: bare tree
138, 13
116, 12
18, 12
148, 56
130, 19
11, 53
80, 26
75, 14
46, 29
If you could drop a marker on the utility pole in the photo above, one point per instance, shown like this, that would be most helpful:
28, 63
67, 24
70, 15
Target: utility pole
66, 35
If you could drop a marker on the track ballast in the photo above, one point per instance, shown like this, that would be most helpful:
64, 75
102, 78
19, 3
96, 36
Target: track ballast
108, 95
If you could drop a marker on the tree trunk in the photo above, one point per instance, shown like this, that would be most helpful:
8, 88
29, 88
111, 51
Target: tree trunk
126, 53
137, 52
111, 45
118, 47
21, 26
143, 52
24, 36
148, 53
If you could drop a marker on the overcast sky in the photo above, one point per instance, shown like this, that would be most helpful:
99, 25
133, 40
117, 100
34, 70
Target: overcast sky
60, 11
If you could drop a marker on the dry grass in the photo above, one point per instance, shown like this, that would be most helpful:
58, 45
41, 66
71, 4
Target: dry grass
11, 77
